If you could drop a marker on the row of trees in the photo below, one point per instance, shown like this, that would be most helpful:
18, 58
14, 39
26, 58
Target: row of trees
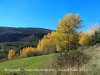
94, 39
27, 50
65, 38
87, 38
46, 45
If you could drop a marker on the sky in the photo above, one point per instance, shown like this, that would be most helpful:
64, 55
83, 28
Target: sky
47, 13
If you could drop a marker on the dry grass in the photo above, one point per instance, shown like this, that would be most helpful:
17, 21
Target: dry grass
93, 65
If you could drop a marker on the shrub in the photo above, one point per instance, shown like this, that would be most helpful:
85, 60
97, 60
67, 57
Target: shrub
3, 56
73, 58
35, 53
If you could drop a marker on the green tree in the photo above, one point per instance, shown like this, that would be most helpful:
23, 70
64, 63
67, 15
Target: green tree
95, 38
67, 37
92, 29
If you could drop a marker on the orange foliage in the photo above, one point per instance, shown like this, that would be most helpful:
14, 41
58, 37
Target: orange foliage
83, 38
27, 50
11, 54
47, 43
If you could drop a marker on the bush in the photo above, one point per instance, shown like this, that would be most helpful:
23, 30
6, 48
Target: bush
3, 55
35, 53
73, 58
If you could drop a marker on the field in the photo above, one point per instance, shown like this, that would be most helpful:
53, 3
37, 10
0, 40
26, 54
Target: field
37, 62
44, 61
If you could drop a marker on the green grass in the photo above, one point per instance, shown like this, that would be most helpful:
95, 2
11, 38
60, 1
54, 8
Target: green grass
43, 61
36, 62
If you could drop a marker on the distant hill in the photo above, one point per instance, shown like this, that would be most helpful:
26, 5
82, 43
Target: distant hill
10, 34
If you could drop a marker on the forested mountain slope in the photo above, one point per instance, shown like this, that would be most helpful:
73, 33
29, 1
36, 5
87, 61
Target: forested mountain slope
10, 34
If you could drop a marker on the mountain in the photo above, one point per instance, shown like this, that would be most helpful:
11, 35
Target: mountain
10, 34
19, 38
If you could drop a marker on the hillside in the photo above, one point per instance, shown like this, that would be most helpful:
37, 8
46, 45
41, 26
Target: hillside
37, 62
94, 64
10, 34
45, 61
18, 38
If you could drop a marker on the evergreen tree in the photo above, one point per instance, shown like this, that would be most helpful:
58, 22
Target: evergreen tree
95, 38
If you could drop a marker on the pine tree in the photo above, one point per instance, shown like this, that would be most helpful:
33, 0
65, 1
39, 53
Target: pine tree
95, 38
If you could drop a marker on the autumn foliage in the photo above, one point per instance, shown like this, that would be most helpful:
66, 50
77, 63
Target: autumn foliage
47, 43
27, 50
92, 29
64, 39
67, 36
83, 38
11, 54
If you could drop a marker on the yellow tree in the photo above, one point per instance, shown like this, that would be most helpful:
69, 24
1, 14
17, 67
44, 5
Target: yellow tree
92, 28
83, 38
47, 43
27, 50
67, 37
11, 54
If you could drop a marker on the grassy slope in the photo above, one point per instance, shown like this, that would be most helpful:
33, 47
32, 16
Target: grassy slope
40, 61
30, 63
94, 63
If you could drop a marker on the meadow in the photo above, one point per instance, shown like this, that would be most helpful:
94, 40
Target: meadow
35, 62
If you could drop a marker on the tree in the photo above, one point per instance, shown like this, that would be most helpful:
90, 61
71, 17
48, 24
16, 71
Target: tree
83, 38
47, 43
94, 34
27, 50
67, 36
92, 29
95, 38
11, 54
